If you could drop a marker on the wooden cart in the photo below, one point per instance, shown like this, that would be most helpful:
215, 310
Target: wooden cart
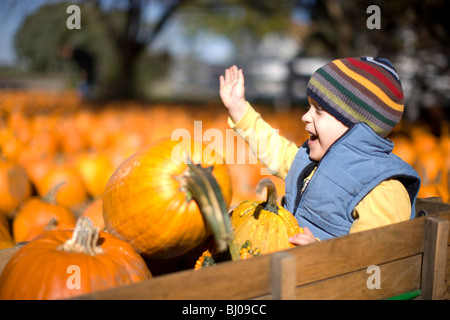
410, 259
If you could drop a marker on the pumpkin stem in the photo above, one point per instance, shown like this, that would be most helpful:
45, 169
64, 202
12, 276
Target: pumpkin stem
50, 197
199, 184
84, 238
271, 201
51, 224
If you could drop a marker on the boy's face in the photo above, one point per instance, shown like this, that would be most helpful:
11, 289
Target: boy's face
323, 129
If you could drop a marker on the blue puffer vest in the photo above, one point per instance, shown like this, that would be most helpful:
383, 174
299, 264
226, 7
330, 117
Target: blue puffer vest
355, 164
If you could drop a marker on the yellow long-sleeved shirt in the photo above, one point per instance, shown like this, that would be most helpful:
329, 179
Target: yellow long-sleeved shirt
387, 203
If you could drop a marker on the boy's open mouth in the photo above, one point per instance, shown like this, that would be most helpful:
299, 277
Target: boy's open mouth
312, 137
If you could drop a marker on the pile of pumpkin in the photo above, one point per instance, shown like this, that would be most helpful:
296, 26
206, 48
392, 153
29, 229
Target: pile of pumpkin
428, 155
42, 130
161, 202
90, 212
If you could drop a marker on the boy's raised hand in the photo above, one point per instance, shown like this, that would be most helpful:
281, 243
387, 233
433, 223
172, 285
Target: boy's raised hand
232, 92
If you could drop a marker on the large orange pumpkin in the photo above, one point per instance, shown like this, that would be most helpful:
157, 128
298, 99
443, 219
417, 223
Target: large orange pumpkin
65, 263
163, 205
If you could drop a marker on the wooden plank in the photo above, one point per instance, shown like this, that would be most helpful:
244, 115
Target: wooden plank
395, 277
282, 276
446, 215
431, 206
358, 251
230, 280
435, 258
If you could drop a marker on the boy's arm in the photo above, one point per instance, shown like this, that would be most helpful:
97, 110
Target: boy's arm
275, 152
387, 203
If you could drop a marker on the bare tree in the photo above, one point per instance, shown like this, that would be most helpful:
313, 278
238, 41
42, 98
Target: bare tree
130, 40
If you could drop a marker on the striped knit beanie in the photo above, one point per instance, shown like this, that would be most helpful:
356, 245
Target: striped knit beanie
359, 90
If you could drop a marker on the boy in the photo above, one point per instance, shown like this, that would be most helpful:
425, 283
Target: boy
344, 178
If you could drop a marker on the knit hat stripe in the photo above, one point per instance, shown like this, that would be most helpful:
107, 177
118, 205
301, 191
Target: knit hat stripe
379, 75
370, 85
370, 77
325, 97
362, 92
385, 64
359, 104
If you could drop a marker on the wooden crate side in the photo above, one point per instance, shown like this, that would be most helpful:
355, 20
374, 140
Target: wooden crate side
396, 277
358, 251
251, 278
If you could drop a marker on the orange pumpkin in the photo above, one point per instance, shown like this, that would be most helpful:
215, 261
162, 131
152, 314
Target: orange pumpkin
94, 211
404, 148
15, 187
262, 226
423, 139
94, 170
431, 167
163, 205
70, 139
72, 194
38, 168
259, 227
40, 214
66, 263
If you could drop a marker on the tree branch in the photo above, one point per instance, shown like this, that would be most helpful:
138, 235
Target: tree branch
169, 12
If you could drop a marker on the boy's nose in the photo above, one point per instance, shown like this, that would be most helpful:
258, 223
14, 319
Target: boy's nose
307, 116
